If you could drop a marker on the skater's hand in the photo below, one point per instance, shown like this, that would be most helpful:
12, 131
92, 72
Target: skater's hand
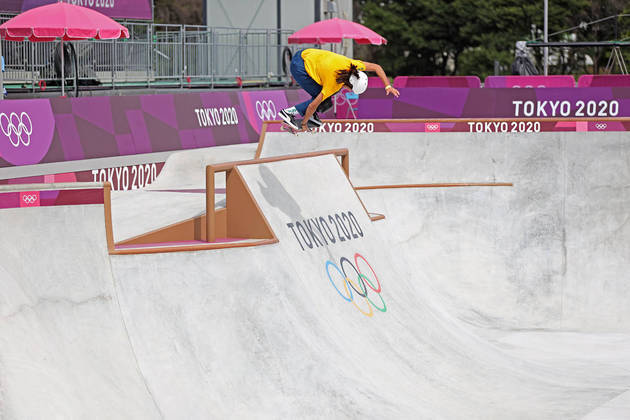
390, 89
304, 129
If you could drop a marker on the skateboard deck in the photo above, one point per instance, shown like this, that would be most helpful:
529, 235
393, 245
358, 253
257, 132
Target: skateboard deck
286, 127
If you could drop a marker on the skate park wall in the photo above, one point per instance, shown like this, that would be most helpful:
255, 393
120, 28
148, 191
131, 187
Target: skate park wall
40, 131
125, 140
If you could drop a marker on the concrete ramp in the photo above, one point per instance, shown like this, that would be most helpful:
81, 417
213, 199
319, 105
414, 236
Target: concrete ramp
277, 331
551, 252
186, 169
462, 303
64, 349
176, 194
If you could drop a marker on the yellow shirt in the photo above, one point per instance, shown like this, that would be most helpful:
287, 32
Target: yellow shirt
322, 66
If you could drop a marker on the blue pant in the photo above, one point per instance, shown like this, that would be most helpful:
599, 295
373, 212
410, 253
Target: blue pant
298, 70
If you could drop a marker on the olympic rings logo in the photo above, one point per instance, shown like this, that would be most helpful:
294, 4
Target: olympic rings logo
601, 126
29, 199
266, 110
18, 129
432, 126
340, 97
363, 286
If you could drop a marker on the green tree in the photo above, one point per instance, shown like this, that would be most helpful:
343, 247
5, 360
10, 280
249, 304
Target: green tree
178, 12
600, 21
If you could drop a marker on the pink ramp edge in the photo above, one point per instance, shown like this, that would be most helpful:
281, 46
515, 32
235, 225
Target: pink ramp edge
29, 199
178, 243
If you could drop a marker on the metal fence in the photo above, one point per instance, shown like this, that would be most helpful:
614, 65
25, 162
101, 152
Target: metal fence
154, 55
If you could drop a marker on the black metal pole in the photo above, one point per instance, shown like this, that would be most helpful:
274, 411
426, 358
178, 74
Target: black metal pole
318, 10
279, 36
279, 17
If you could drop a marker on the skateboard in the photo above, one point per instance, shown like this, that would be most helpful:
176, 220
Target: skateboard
286, 127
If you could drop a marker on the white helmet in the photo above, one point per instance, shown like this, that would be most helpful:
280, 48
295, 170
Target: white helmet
359, 84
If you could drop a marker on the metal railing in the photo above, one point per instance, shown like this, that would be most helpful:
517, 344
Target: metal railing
154, 55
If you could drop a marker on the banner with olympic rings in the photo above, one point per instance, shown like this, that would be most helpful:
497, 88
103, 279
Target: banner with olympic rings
50, 130
49, 198
537, 102
34, 131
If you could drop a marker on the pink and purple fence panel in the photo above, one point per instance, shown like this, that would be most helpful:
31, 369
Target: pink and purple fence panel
464, 126
437, 82
555, 81
40, 131
604, 80
51, 197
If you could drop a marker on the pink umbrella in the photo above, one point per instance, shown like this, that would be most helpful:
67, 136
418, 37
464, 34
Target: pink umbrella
61, 21
334, 31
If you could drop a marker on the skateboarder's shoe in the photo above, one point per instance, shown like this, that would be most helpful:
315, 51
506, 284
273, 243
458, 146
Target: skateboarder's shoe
289, 119
315, 121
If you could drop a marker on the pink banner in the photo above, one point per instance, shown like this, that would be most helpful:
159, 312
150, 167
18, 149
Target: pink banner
374, 82
119, 9
47, 198
604, 80
463, 126
437, 81
42, 131
561, 81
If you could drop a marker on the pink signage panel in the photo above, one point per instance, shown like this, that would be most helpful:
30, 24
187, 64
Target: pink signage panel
47, 198
374, 82
118, 9
604, 80
437, 81
556, 81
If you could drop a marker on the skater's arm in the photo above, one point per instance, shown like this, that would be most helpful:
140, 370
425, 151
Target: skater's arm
381, 74
310, 110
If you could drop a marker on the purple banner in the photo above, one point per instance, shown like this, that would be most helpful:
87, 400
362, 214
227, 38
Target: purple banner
25, 143
38, 131
63, 129
601, 102
119, 9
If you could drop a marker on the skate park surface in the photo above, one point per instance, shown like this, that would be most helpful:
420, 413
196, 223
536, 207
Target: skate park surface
481, 302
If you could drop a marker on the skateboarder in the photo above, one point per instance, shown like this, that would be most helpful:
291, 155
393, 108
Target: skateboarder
321, 74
